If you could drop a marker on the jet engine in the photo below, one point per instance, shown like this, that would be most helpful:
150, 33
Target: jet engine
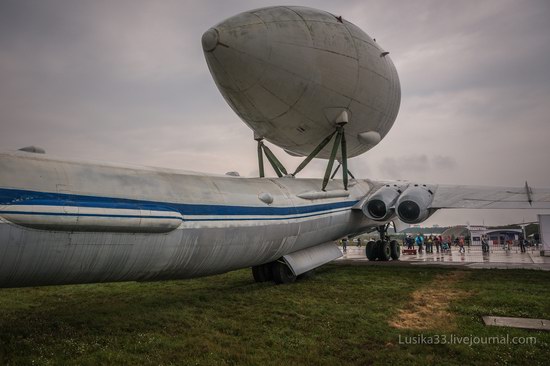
380, 206
413, 206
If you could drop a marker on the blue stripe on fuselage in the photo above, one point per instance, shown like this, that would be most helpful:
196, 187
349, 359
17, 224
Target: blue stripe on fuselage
38, 213
25, 197
287, 217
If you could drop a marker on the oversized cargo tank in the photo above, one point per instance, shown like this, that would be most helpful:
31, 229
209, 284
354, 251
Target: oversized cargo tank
289, 72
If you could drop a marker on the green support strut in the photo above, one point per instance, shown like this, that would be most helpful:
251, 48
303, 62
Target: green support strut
275, 163
335, 171
314, 153
261, 159
344, 151
337, 140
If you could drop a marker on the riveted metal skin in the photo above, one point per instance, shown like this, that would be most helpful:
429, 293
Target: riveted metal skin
289, 72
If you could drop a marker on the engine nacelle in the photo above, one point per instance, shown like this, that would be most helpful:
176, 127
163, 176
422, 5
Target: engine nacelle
413, 206
380, 206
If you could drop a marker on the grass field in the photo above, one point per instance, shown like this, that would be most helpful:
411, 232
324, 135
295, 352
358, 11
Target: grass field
340, 316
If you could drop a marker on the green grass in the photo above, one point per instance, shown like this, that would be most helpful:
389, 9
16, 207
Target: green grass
338, 317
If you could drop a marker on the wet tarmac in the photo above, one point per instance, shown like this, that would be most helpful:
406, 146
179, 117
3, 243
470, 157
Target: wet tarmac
473, 257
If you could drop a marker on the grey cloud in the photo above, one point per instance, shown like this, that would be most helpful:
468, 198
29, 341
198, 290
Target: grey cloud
415, 166
440, 162
449, 45
126, 81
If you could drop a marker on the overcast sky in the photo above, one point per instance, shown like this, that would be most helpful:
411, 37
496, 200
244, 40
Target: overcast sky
126, 81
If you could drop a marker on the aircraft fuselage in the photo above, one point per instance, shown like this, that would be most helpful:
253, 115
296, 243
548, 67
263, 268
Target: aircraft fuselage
67, 222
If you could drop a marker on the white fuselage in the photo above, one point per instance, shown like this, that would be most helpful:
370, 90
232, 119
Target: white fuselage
66, 221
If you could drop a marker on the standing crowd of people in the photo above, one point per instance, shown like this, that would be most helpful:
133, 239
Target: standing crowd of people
441, 244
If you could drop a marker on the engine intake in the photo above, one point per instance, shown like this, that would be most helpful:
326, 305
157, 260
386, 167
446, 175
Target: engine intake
413, 206
379, 206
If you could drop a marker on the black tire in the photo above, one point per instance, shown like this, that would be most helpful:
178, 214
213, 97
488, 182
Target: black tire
257, 274
377, 248
306, 276
384, 250
268, 272
395, 249
370, 251
262, 273
281, 273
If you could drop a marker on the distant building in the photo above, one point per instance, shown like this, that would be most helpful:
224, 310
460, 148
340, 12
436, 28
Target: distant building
504, 235
456, 231
495, 235
476, 234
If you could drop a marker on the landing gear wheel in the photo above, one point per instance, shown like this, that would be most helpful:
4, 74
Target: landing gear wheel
395, 250
282, 274
370, 251
384, 250
307, 275
262, 273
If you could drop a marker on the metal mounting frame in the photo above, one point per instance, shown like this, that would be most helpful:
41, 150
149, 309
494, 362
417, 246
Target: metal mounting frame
339, 143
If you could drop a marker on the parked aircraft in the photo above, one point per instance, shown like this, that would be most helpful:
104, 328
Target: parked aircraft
303, 79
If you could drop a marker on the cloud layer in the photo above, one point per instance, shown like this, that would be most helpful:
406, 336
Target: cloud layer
126, 81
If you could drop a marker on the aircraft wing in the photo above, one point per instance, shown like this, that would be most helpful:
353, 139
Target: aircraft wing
455, 196
413, 203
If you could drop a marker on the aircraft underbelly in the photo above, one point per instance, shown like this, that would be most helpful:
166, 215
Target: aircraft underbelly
38, 257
